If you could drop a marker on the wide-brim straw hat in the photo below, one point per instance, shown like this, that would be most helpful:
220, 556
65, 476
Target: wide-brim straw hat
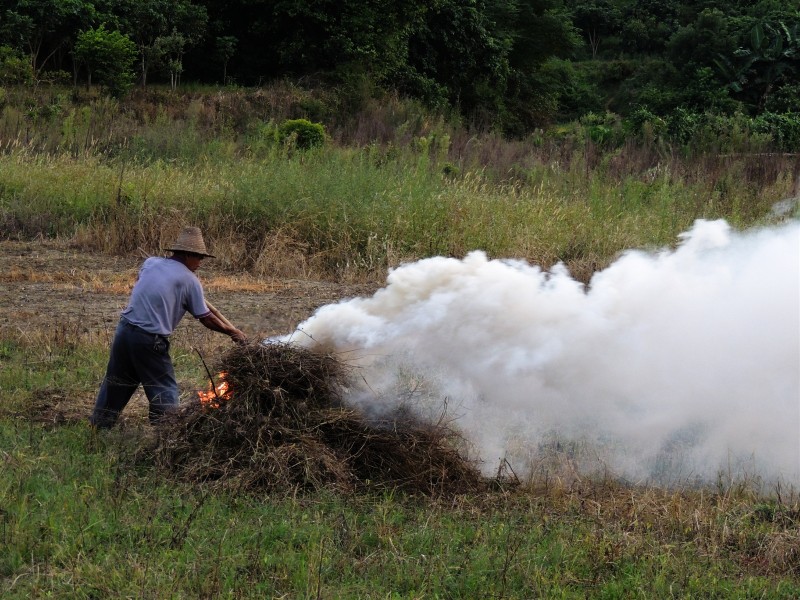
190, 239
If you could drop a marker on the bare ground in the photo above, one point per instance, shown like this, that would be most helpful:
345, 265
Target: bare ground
44, 283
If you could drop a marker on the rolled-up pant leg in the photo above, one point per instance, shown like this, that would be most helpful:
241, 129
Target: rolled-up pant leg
136, 357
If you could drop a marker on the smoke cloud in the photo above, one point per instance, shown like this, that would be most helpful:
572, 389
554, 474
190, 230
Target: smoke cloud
670, 366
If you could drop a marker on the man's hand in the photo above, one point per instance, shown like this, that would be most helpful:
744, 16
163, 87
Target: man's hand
239, 337
213, 322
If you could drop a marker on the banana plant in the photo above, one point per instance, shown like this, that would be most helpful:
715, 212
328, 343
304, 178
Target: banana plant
772, 57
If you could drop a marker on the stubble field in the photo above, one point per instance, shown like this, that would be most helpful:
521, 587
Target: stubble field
86, 515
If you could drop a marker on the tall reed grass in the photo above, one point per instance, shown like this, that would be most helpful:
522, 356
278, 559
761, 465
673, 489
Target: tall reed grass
390, 186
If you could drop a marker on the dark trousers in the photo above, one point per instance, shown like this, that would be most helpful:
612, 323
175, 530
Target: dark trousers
137, 357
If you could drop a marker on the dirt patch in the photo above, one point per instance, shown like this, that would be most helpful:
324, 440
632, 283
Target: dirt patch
44, 283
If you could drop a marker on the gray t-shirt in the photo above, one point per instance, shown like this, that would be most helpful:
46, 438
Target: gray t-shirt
165, 290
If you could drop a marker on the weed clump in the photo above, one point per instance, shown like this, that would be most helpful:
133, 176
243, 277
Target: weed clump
280, 425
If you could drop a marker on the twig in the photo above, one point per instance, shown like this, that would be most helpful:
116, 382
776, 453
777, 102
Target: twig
505, 464
751, 154
319, 568
208, 372
119, 185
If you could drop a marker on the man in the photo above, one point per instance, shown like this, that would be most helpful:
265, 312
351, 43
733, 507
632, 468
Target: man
165, 290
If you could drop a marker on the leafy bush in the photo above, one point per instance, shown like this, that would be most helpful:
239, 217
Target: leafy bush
643, 123
578, 86
784, 129
302, 133
14, 68
784, 99
109, 55
712, 132
604, 130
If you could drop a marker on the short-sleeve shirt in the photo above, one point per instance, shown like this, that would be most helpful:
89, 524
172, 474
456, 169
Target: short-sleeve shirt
165, 291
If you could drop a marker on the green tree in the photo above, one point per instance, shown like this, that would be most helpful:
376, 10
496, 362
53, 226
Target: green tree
599, 23
170, 50
43, 28
471, 54
109, 57
692, 50
648, 24
771, 58
225, 50
162, 30
460, 47
14, 68
540, 33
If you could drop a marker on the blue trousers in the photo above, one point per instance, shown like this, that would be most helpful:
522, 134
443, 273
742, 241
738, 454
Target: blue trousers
137, 357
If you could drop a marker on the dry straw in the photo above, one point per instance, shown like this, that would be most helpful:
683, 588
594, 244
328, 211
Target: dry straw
285, 428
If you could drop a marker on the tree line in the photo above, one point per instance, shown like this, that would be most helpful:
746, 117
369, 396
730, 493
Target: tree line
512, 64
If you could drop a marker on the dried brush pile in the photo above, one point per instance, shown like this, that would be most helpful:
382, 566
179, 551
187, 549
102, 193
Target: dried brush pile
282, 426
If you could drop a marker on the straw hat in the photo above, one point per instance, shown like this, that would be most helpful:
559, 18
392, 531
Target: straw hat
190, 240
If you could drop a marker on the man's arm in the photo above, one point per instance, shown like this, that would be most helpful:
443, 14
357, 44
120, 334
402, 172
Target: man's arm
215, 324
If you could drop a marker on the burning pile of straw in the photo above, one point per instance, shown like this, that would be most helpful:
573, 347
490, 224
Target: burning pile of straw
277, 422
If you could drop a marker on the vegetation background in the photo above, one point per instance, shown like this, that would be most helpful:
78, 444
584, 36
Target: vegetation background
358, 135
510, 65
337, 139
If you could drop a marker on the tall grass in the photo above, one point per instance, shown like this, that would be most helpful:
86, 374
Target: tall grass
116, 178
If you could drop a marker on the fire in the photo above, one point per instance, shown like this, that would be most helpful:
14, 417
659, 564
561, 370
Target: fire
216, 394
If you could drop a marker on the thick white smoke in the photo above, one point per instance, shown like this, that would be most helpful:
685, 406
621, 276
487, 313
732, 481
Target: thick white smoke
671, 366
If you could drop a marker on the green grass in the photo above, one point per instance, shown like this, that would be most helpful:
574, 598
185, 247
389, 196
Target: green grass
349, 214
88, 515
83, 517
120, 177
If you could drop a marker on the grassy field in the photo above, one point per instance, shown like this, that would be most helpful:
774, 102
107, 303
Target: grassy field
119, 177
89, 515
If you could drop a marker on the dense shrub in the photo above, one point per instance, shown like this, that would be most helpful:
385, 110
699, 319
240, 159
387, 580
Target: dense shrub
579, 87
14, 68
783, 129
604, 130
302, 133
642, 123
712, 132
697, 131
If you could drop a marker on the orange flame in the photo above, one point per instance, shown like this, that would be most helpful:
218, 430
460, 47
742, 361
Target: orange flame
216, 394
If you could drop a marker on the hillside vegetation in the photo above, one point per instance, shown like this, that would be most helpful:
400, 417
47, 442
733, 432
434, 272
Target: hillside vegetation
342, 140
508, 65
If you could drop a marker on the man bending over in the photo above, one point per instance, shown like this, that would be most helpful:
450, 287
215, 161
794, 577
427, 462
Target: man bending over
165, 290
